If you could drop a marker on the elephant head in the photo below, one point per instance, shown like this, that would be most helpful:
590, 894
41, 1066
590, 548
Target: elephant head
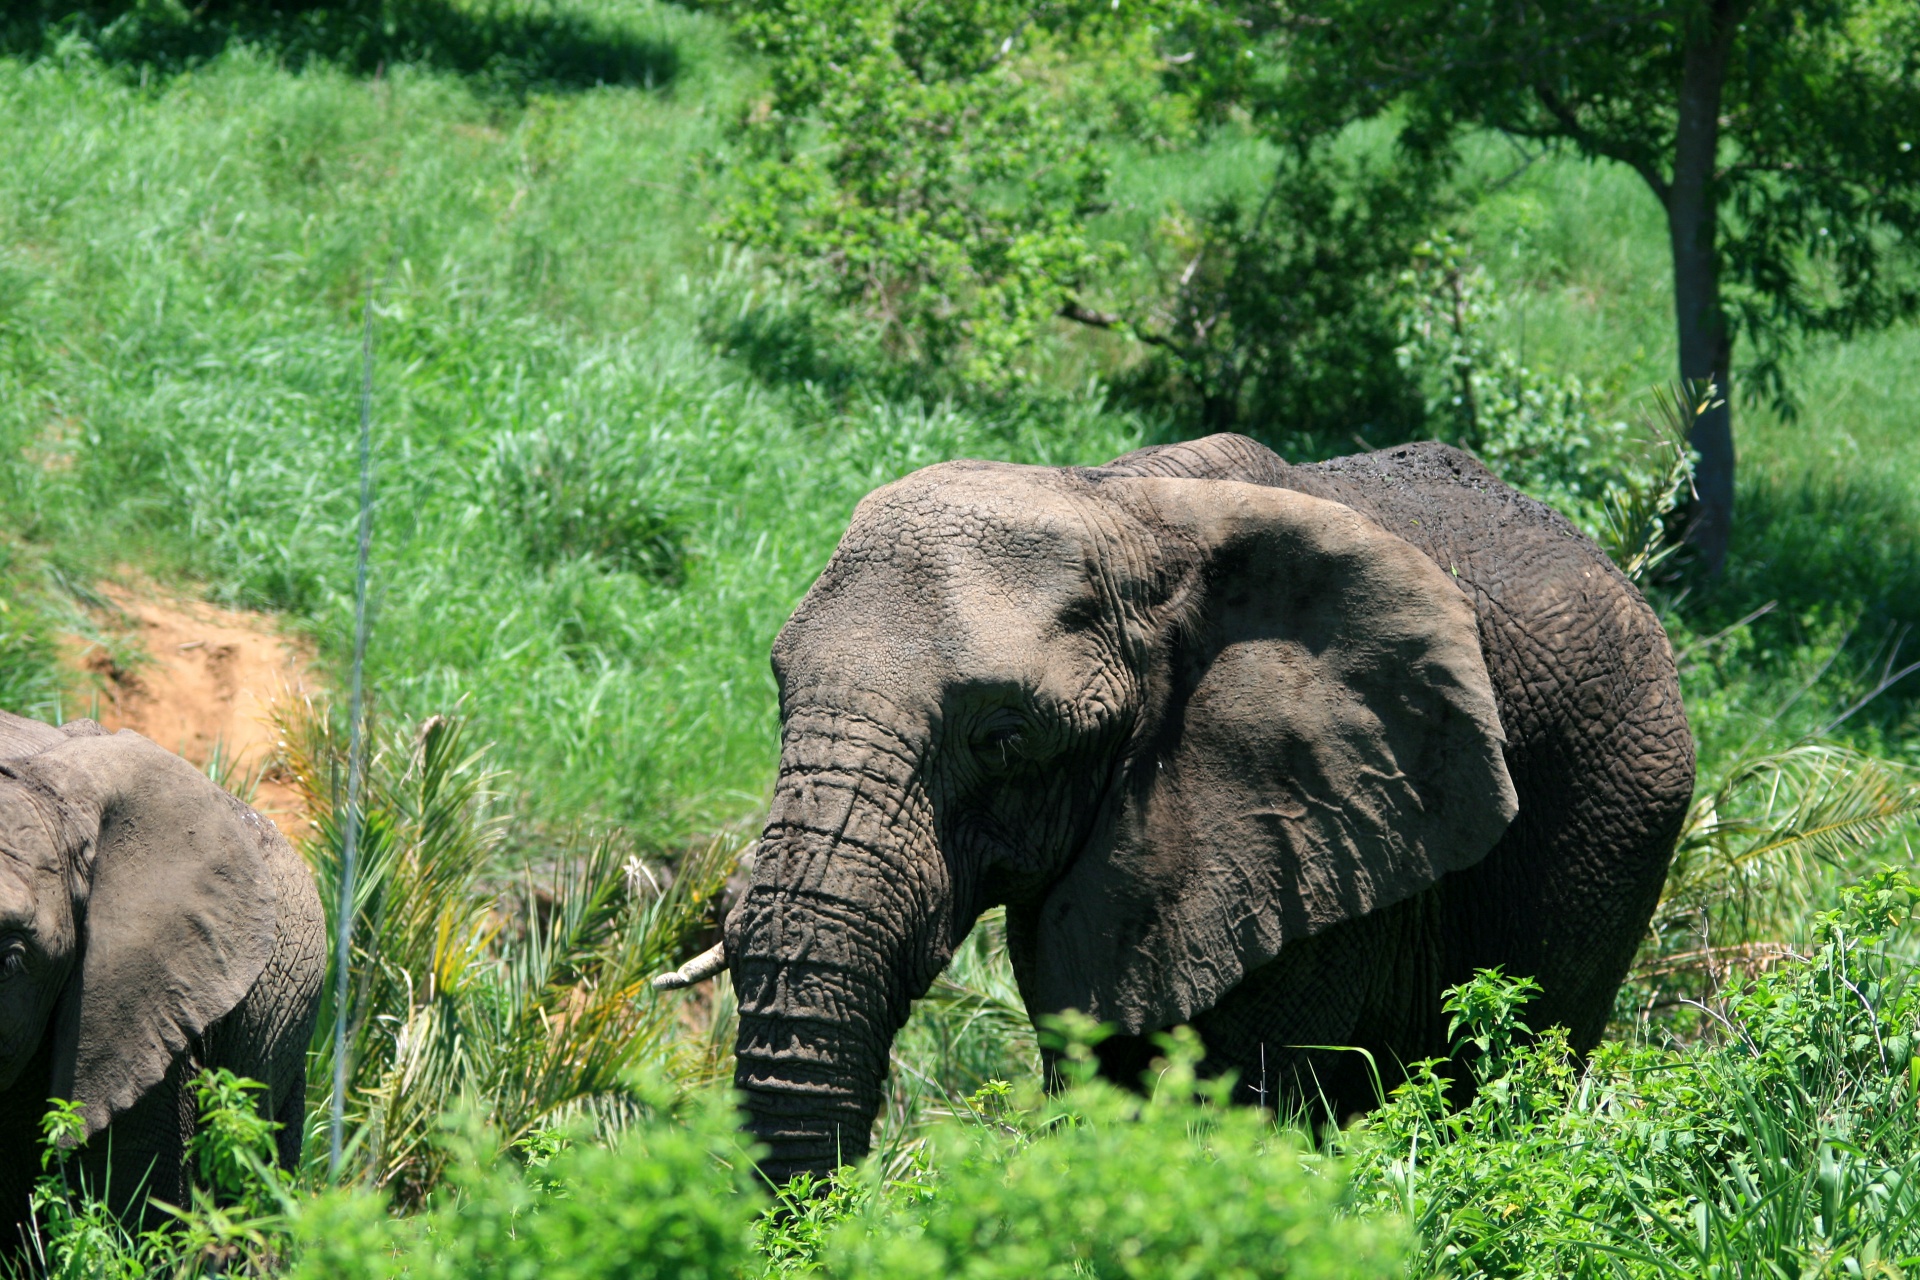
136, 909
1173, 724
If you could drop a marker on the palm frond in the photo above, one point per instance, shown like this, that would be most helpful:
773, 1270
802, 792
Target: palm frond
521, 997
1748, 857
1635, 506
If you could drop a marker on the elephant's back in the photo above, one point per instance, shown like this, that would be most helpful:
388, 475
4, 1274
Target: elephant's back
1597, 740
1579, 662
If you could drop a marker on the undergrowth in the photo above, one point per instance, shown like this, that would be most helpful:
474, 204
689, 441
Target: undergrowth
1786, 1143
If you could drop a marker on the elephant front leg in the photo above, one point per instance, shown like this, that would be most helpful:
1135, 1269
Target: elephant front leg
1329, 1026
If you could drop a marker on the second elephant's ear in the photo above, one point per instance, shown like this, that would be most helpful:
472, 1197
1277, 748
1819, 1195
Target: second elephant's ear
1320, 740
178, 907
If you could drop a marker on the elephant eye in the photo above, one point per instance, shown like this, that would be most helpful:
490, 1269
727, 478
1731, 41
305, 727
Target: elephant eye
13, 959
999, 741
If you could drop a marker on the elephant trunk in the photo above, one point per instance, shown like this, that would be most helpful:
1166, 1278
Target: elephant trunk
846, 923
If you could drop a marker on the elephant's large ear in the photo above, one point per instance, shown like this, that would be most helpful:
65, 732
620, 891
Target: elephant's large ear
1320, 741
179, 912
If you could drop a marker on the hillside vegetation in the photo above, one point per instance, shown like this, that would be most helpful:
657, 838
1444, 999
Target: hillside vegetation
614, 447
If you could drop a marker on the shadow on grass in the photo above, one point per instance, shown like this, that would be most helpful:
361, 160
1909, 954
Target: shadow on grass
1828, 549
790, 346
504, 47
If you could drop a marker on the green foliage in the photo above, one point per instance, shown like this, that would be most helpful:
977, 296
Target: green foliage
1788, 1141
1100, 1182
1484, 1012
1544, 435
1286, 310
793, 1234
525, 1003
233, 1149
236, 1222
1765, 830
668, 1200
1818, 189
935, 168
1639, 501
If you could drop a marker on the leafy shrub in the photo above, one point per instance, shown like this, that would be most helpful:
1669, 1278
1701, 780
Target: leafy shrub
1286, 315
1540, 433
933, 170
236, 1221
668, 1200
1099, 1182
1786, 1146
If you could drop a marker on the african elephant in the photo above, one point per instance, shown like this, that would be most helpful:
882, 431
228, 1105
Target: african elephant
150, 925
1280, 752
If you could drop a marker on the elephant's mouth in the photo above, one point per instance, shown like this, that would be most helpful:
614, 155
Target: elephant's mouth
22, 1047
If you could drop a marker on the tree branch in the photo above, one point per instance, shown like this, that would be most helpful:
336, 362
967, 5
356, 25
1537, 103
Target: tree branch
1072, 310
1587, 141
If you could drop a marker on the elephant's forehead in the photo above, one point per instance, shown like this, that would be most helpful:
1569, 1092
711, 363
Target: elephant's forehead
1013, 522
949, 571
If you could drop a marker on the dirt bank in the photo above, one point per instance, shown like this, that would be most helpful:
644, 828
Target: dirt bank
201, 681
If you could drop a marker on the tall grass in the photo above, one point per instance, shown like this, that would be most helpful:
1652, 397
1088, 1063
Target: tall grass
613, 461
592, 522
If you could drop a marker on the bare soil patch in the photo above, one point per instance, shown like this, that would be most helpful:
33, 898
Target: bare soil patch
201, 681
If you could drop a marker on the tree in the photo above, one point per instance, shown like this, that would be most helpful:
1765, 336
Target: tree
1779, 138
932, 169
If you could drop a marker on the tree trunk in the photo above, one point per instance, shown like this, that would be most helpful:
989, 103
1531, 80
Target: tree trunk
1706, 344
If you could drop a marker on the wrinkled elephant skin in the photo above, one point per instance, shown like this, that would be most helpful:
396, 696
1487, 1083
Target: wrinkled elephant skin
150, 925
1279, 752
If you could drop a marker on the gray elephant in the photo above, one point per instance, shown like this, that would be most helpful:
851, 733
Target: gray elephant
150, 925
1276, 751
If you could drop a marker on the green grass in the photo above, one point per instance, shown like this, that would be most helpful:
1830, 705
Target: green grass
184, 263
183, 254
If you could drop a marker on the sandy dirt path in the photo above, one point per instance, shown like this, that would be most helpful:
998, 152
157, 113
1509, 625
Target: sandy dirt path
206, 682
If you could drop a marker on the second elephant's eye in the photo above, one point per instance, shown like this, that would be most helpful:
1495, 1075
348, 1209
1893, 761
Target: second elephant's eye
13, 959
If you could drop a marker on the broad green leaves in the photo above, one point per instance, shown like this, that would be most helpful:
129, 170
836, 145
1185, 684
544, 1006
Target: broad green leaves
933, 169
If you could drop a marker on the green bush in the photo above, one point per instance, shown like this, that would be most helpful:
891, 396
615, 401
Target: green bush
666, 1201
234, 1223
1543, 434
1099, 1182
1786, 1145
1284, 311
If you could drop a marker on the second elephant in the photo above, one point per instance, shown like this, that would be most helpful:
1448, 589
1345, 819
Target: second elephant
1278, 751
150, 925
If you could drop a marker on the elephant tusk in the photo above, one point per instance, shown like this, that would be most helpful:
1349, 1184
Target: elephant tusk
696, 970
